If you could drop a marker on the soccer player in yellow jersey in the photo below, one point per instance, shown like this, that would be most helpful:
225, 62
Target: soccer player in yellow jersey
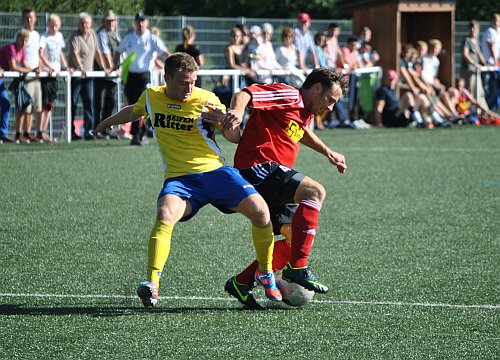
195, 170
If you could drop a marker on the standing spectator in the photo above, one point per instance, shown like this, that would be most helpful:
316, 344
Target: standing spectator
267, 54
4, 111
350, 52
287, 55
320, 47
369, 55
83, 50
13, 58
235, 57
304, 39
332, 49
143, 44
490, 47
105, 89
51, 53
33, 85
187, 46
472, 59
391, 111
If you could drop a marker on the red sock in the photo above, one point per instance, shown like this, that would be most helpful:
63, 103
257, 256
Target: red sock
281, 256
304, 224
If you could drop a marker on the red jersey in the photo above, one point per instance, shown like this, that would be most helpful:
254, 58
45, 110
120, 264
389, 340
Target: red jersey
274, 128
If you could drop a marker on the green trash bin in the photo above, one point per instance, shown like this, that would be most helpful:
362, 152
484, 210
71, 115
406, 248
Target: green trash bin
366, 93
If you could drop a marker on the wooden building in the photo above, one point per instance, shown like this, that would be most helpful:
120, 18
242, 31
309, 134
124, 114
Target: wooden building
395, 22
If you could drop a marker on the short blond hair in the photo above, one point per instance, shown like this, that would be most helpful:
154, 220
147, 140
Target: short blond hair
23, 34
54, 18
433, 43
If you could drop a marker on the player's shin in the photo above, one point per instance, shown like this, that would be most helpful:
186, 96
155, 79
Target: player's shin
264, 244
304, 225
158, 250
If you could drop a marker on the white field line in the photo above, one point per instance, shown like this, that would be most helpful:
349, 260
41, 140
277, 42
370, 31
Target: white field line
328, 302
28, 152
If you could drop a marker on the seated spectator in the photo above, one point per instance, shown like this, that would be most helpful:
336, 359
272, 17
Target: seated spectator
430, 71
393, 112
235, 57
13, 58
407, 82
470, 107
268, 57
439, 111
287, 55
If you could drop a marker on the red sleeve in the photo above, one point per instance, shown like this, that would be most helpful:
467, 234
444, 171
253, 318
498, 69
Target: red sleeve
273, 96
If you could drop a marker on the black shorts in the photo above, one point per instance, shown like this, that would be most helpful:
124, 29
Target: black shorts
395, 119
277, 184
49, 92
282, 215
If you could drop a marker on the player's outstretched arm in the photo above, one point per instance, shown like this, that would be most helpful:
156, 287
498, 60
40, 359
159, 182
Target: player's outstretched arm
216, 116
311, 140
125, 115
234, 116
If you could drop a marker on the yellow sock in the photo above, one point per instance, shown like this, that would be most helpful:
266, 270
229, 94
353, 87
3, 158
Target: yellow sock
158, 250
263, 241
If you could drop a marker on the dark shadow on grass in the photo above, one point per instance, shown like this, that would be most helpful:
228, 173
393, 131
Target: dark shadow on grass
16, 310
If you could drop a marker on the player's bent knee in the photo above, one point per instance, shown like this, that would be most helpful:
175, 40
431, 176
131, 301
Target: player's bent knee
255, 208
310, 190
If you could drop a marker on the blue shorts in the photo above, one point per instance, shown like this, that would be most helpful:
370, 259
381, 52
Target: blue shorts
224, 188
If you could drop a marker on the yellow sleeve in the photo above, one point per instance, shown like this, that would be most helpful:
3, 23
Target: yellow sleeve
140, 105
215, 101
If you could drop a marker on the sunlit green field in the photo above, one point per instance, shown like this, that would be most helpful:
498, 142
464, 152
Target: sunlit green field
409, 243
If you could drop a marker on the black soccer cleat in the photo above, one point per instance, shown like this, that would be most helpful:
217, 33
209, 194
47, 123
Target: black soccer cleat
243, 293
304, 277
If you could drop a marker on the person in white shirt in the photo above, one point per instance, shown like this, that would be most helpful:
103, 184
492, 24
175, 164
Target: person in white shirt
52, 56
267, 54
490, 47
145, 46
25, 119
287, 56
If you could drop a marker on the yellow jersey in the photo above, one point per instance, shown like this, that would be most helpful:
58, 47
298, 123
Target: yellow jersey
187, 143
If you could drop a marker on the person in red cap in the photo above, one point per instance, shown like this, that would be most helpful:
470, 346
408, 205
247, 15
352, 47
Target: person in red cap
304, 39
393, 112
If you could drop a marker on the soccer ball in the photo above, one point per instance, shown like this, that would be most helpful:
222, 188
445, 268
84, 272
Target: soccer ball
293, 294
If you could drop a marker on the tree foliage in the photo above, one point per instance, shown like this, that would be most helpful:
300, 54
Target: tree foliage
125, 7
281, 9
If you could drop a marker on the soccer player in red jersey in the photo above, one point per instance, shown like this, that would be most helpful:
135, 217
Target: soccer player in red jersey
267, 150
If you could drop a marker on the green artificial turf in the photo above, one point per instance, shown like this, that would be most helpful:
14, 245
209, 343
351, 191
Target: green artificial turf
409, 243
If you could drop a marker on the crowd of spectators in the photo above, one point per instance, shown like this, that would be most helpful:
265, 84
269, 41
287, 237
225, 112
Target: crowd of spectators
414, 88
